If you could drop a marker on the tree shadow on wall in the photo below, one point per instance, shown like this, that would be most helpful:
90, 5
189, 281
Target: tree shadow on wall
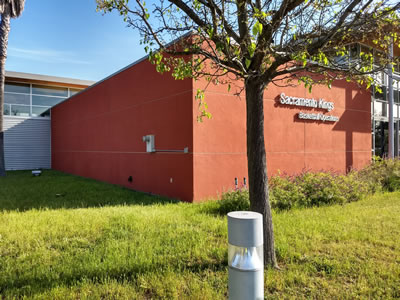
355, 119
21, 191
355, 123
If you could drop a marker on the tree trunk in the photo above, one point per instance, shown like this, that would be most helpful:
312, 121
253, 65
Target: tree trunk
257, 167
4, 31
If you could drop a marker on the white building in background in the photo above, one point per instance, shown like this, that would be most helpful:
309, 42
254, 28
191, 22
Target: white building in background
27, 117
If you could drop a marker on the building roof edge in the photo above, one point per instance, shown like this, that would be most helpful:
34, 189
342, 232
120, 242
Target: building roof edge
55, 79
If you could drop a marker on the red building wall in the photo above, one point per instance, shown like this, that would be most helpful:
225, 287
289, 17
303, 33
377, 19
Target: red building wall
292, 144
98, 133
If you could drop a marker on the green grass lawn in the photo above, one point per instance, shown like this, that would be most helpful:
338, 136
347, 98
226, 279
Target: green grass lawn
65, 237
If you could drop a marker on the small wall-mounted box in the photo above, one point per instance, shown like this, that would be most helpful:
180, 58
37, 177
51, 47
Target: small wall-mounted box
149, 139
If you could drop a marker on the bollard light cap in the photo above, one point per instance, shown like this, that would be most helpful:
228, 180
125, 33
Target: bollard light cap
245, 229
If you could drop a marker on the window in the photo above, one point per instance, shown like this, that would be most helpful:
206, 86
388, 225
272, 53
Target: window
354, 54
396, 91
23, 99
380, 109
6, 109
46, 100
20, 110
17, 98
49, 91
13, 87
40, 111
73, 91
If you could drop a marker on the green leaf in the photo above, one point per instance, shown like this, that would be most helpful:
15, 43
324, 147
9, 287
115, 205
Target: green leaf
248, 62
199, 94
251, 49
257, 28
210, 33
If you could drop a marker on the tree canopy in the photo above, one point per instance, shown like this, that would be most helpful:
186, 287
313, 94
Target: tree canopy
271, 40
13, 7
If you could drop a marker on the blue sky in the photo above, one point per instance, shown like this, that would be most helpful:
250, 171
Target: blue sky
70, 39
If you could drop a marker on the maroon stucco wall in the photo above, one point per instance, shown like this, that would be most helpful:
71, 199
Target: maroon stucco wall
98, 133
292, 145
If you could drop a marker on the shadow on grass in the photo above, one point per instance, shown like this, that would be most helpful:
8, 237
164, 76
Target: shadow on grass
21, 191
29, 286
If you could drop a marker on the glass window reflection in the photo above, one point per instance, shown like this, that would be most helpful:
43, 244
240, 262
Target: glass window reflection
74, 91
6, 109
20, 110
16, 99
38, 111
50, 91
13, 87
46, 101
378, 109
25, 100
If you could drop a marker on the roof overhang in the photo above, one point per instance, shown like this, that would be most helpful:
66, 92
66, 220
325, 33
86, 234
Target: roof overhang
44, 79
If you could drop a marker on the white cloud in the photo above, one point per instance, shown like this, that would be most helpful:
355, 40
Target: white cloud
48, 56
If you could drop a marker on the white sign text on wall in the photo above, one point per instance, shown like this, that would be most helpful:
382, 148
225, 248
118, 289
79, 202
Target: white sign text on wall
307, 102
310, 102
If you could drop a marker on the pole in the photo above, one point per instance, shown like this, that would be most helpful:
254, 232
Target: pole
396, 139
391, 104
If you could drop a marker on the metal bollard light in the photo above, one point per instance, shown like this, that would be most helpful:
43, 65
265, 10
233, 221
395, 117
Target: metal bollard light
245, 255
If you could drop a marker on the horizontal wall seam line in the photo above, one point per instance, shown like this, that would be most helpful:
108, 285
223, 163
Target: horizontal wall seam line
117, 152
329, 151
209, 153
279, 152
219, 153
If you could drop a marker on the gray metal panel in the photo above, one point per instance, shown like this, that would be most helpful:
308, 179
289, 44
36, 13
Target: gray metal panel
27, 143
